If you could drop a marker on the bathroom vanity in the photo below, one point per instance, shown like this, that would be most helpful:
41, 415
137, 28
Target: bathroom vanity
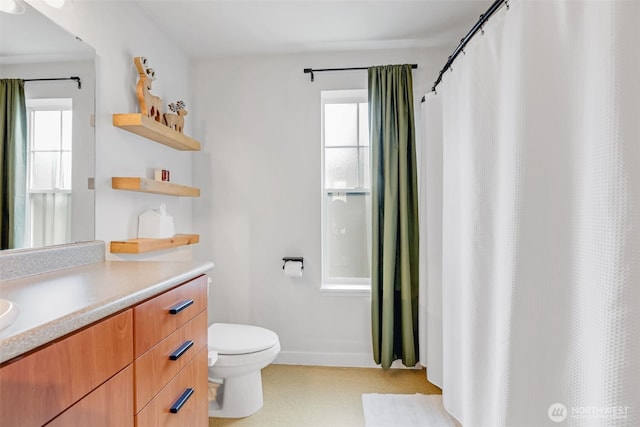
107, 343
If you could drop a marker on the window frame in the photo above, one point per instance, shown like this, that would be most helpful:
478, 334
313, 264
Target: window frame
33, 105
339, 285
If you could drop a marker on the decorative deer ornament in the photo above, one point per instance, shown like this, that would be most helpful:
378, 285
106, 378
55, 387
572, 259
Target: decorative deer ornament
150, 105
176, 121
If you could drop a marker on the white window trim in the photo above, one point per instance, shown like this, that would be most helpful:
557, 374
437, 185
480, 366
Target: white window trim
345, 286
345, 290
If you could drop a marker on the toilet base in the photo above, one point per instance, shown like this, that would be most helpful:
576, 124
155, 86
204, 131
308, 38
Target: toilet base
238, 397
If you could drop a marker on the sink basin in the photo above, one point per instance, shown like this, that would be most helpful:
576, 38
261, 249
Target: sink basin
8, 313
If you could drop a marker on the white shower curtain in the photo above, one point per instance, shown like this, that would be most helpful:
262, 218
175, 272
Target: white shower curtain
430, 273
540, 285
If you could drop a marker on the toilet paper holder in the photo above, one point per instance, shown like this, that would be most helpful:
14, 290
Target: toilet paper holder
292, 258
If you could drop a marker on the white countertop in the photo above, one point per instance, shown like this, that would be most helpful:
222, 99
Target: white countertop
52, 305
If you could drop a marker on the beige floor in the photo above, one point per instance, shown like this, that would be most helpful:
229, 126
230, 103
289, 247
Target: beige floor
313, 396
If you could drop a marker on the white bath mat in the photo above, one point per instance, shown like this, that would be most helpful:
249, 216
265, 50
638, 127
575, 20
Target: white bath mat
405, 410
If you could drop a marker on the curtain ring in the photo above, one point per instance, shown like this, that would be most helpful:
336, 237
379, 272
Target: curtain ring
506, 2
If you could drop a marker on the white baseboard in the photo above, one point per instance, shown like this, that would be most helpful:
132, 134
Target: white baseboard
347, 360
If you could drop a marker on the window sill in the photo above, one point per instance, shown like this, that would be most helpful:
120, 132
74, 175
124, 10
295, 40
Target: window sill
350, 290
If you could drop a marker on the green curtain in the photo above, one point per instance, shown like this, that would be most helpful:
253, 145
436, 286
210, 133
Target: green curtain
13, 162
394, 201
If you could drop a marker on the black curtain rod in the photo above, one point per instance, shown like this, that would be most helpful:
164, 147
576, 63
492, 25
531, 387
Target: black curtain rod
74, 78
478, 27
318, 70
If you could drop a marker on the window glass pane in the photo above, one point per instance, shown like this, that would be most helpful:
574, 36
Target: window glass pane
341, 167
46, 130
50, 218
363, 117
65, 171
66, 130
348, 235
43, 170
365, 162
340, 124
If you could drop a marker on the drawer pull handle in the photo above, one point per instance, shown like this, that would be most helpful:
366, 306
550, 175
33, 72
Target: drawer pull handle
181, 401
181, 350
180, 306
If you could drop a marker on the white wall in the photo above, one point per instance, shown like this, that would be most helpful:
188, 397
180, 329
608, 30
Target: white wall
119, 31
260, 179
82, 220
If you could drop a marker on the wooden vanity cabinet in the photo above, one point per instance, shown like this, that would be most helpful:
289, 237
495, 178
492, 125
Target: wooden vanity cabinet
128, 369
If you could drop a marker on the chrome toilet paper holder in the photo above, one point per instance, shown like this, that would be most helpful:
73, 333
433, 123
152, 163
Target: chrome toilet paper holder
293, 258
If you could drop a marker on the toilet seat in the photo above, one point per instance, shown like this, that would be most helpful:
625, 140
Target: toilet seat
233, 339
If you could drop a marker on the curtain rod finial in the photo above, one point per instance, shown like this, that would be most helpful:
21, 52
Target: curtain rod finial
310, 71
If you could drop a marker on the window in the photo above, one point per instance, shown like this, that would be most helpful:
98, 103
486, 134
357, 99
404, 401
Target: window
49, 171
346, 191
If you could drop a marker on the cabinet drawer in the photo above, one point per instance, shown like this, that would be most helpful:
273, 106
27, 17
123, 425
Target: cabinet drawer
107, 406
37, 387
194, 412
154, 369
154, 320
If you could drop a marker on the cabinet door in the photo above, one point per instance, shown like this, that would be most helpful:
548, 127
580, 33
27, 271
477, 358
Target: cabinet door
39, 386
160, 316
109, 405
195, 410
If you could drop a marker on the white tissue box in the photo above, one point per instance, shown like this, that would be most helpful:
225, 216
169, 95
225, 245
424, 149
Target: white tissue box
151, 224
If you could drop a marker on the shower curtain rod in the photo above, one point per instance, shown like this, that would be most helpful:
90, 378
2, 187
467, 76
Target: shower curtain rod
74, 78
478, 27
311, 70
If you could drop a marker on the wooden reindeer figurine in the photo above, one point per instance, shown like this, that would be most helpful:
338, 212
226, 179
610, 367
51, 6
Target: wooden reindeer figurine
176, 121
150, 105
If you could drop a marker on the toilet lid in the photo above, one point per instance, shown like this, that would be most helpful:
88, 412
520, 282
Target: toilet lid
228, 338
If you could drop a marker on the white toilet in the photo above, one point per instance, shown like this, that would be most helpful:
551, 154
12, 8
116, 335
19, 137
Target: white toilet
243, 350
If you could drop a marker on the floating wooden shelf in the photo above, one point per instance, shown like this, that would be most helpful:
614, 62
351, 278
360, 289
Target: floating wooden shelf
139, 246
149, 128
146, 185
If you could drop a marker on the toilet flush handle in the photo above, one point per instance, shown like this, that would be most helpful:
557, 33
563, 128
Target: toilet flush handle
213, 357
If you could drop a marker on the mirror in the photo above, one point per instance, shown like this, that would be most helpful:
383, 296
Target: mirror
61, 148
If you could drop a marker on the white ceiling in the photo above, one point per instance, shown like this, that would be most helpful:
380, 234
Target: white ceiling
217, 28
32, 37
214, 28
